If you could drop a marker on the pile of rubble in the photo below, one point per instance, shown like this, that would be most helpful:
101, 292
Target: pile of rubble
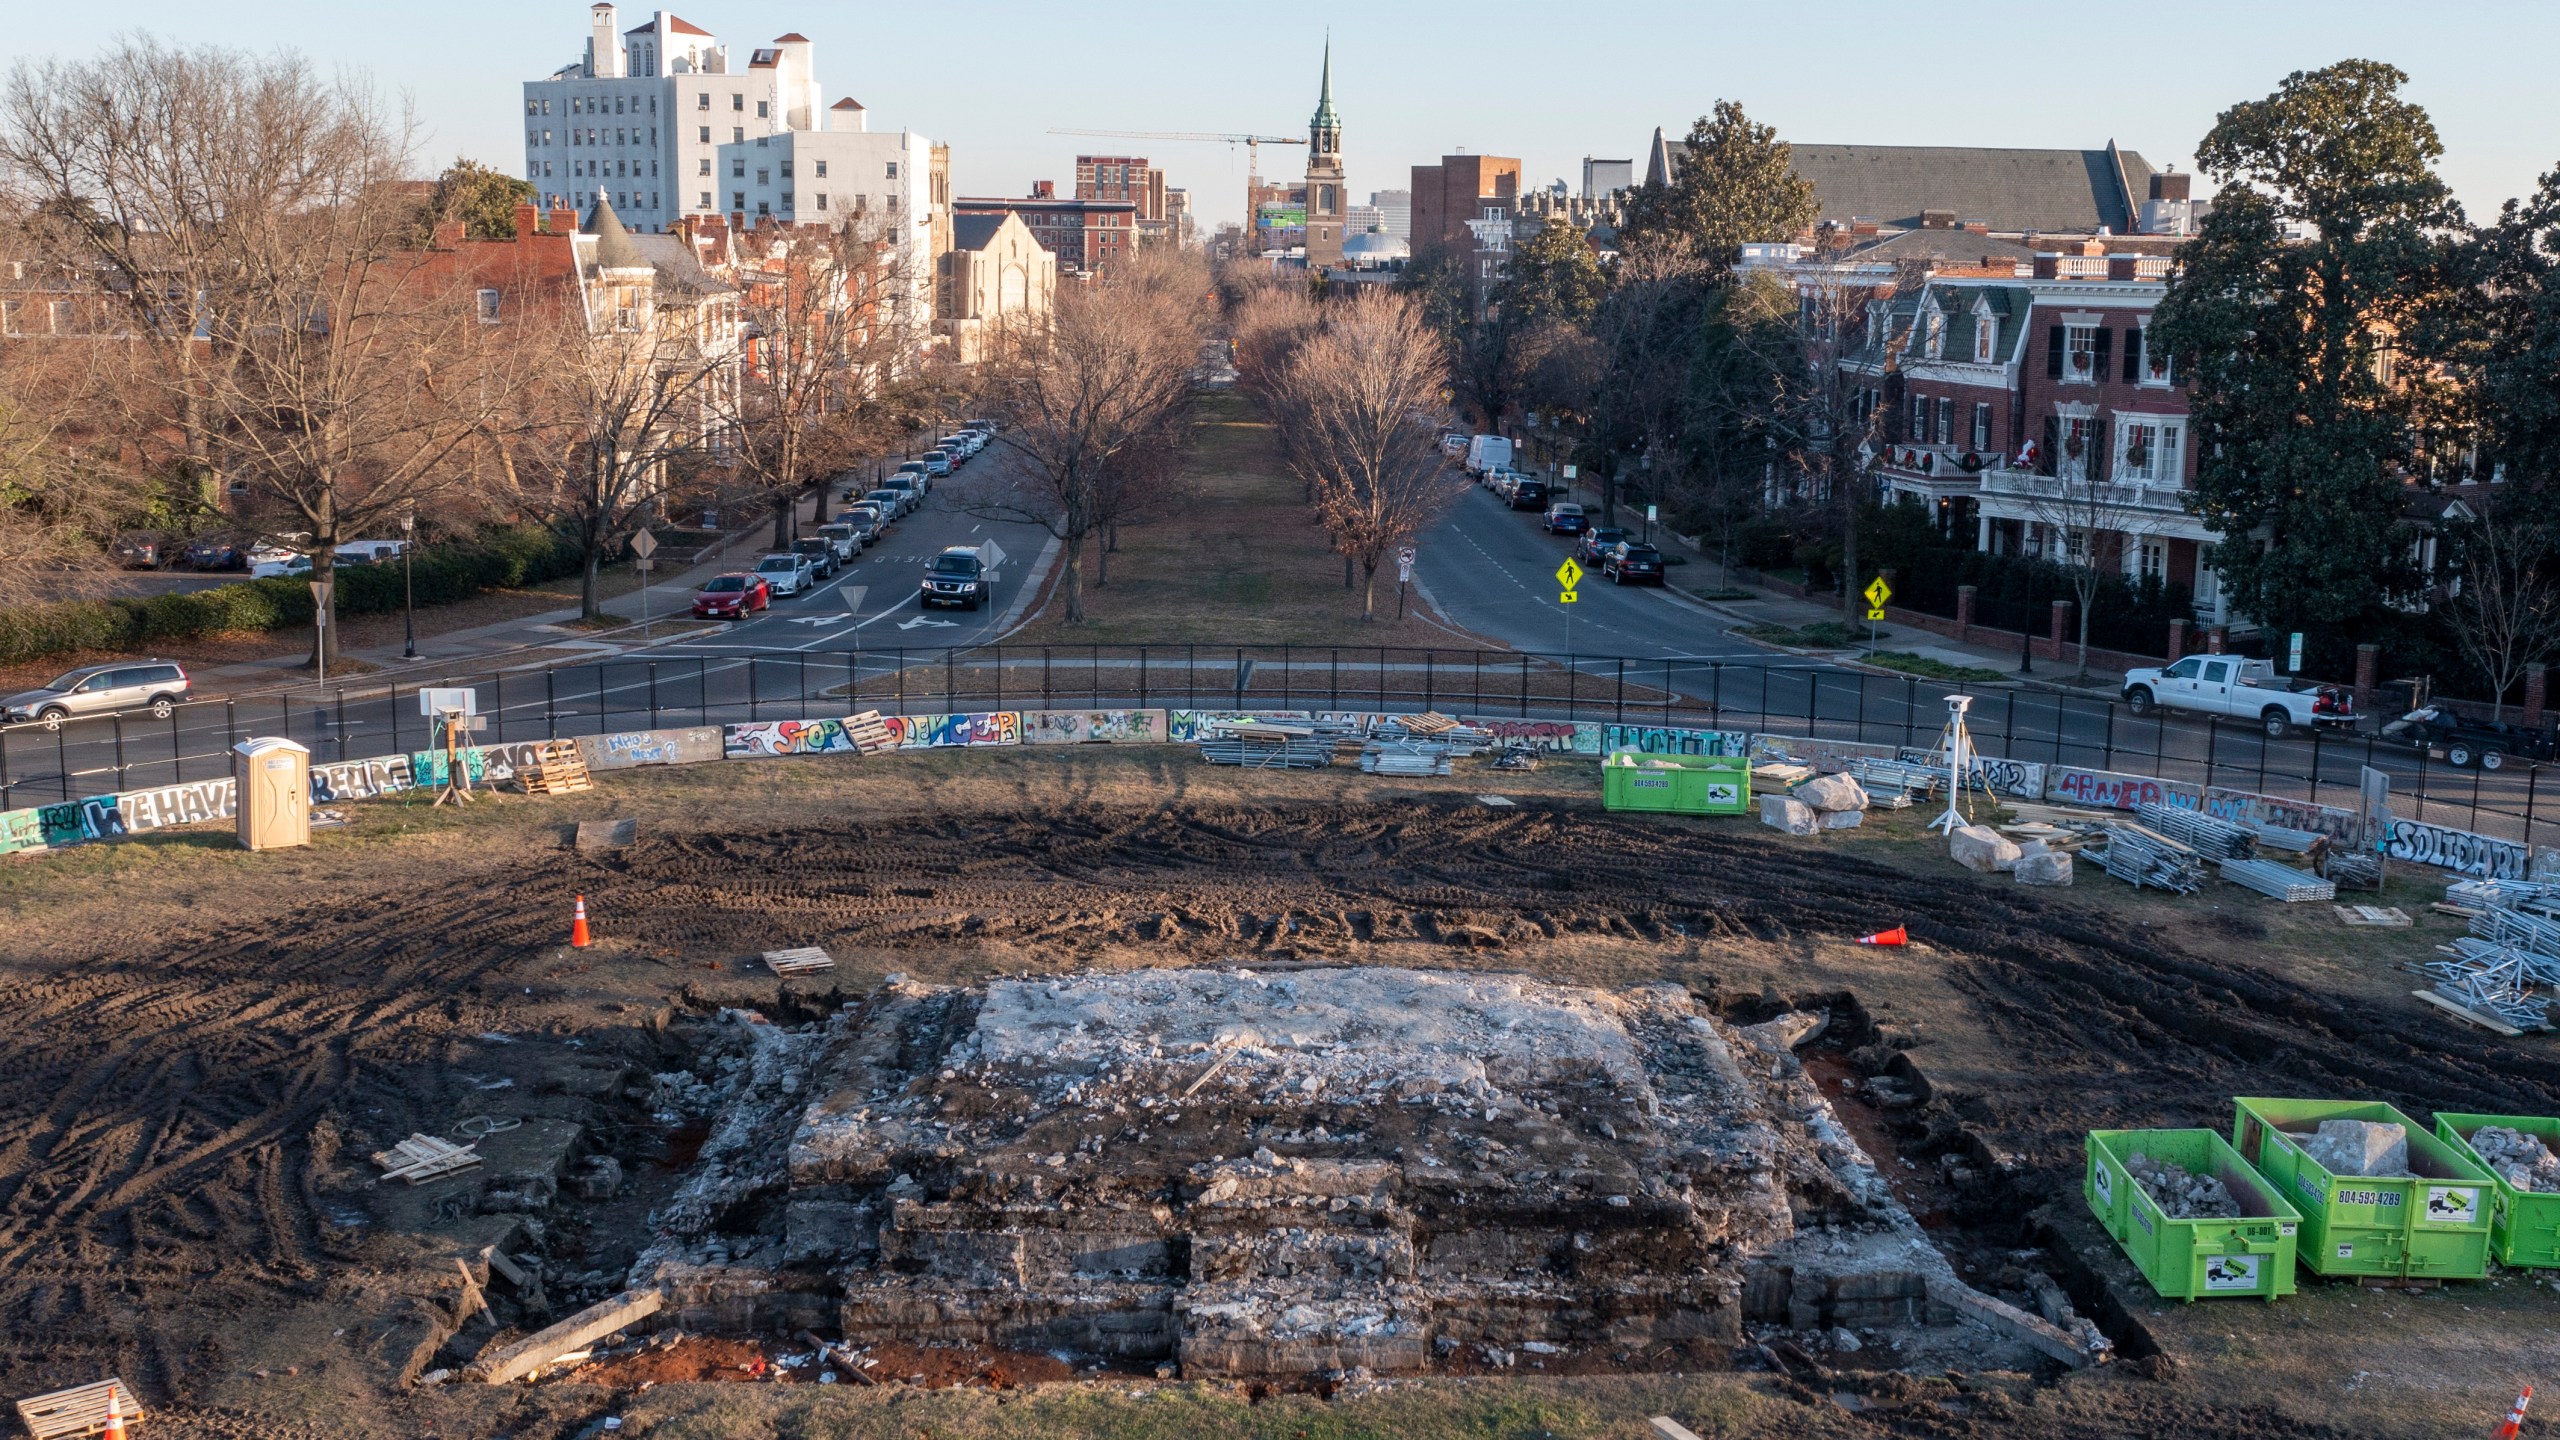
1288, 1170
2181, 1194
1826, 802
2375, 1149
2524, 1161
1985, 850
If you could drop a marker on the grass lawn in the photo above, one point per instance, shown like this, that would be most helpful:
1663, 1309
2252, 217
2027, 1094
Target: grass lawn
1237, 559
1928, 668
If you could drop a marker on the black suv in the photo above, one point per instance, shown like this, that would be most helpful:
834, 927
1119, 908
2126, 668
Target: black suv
822, 555
957, 576
1632, 563
1528, 494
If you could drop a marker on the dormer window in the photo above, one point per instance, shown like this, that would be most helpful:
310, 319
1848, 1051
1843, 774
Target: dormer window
1936, 341
1986, 335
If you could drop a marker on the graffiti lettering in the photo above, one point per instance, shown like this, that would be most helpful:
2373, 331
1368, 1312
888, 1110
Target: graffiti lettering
919, 732
2457, 850
787, 737
632, 748
2105, 789
20, 830
176, 804
359, 779
1093, 727
1668, 740
1184, 726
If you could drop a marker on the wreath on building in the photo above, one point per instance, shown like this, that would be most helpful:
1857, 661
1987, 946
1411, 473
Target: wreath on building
2137, 456
1972, 461
2072, 446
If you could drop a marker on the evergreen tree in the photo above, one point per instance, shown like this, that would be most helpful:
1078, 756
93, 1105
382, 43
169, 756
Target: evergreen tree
2513, 294
1736, 185
484, 200
2301, 319
1553, 275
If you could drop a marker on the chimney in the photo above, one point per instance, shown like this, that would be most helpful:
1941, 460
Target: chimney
604, 42
2169, 185
1937, 219
2048, 266
1044, 189
563, 221
1859, 225
447, 236
2120, 267
528, 219
2094, 245
1976, 227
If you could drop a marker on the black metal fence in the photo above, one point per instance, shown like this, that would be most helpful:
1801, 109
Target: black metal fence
712, 685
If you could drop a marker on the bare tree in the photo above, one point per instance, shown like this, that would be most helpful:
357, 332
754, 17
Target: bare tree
2091, 519
1094, 401
1356, 409
608, 413
835, 324
2505, 606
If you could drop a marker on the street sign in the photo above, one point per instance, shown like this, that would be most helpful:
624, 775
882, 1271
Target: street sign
1569, 597
1568, 472
1404, 565
1875, 613
1878, 592
2293, 655
1649, 515
320, 592
644, 544
644, 564
1568, 573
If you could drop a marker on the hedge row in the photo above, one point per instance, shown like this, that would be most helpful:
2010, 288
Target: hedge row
445, 573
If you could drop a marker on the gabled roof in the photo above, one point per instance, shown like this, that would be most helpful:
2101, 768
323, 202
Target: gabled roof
680, 272
2013, 189
674, 27
973, 232
794, 38
1960, 246
847, 103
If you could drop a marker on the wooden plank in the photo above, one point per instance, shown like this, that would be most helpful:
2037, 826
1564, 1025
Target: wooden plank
798, 962
2389, 917
2461, 1011
80, 1410
511, 1362
1666, 1428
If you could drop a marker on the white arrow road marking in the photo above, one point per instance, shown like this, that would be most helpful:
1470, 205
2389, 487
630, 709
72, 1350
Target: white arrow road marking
929, 620
818, 619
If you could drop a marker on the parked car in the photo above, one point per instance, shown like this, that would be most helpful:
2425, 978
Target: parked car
2233, 685
1564, 518
2469, 740
787, 571
824, 562
269, 564
962, 443
845, 538
937, 463
957, 576
983, 425
917, 471
867, 518
1454, 444
213, 554
142, 551
1596, 543
156, 685
1487, 452
911, 486
731, 597
1527, 493
1631, 562
892, 503
368, 552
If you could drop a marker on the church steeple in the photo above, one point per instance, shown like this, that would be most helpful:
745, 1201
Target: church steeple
1324, 132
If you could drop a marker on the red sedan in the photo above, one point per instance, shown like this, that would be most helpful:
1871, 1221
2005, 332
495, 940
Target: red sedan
732, 597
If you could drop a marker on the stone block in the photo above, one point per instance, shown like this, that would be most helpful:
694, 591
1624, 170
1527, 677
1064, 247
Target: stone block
1785, 812
1981, 848
1832, 793
2360, 1147
1843, 819
2049, 868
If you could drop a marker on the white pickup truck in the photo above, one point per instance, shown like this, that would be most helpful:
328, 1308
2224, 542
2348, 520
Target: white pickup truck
2249, 689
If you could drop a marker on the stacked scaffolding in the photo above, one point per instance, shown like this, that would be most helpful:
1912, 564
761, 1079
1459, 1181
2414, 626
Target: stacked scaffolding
2146, 859
2281, 881
2218, 839
2508, 968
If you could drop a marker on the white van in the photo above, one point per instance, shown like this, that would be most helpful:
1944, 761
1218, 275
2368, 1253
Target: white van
1487, 452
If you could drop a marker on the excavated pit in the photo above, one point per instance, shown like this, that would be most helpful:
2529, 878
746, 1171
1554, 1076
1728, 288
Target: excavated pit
1282, 1171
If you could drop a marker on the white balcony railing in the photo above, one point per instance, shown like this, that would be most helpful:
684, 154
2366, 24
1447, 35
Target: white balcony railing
2164, 498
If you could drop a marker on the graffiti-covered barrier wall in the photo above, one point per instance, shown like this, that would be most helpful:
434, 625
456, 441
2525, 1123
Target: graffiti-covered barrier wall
115, 816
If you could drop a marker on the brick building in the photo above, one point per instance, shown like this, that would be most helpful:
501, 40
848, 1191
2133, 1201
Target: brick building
1463, 208
1085, 235
1130, 179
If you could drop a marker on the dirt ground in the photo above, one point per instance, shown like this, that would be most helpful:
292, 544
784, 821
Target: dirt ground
208, 1044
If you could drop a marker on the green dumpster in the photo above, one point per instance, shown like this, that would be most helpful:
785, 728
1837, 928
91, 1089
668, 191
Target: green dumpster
2187, 1259
2524, 1230
1683, 785
2431, 1224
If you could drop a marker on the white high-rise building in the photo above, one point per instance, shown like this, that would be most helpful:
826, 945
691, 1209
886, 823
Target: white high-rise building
643, 116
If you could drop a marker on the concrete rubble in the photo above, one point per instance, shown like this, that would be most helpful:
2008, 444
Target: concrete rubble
1785, 812
1291, 1170
1981, 848
2039, 864
2377, 1149
2181, 1194
2522, 1160
1833, 794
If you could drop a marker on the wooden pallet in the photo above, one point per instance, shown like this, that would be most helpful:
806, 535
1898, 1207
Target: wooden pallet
2389, 917
869, 733
81, 1410
1429, 722
798, 962
422, 1158
558, 769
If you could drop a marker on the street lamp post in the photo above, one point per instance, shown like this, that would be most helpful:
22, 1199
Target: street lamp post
408, 587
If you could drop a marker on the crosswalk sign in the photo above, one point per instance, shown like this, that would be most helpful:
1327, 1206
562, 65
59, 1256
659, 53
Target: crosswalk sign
1568, 597
1567, 573
1878, 592
1875, 612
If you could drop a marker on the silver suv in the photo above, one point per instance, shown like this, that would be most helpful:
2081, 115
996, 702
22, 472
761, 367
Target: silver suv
100, 690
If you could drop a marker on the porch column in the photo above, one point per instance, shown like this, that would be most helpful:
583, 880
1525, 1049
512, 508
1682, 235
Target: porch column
1964, 611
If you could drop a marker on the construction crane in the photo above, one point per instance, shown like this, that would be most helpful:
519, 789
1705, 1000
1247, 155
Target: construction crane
1252, 155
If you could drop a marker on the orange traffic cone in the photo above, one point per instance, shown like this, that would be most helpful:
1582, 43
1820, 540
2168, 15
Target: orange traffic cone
579, 939
2515, 1417
115, 1417
1894, 936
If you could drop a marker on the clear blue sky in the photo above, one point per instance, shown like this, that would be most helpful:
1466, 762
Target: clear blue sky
1546, 82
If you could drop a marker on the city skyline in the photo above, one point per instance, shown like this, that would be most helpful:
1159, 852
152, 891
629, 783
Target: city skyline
1405, 101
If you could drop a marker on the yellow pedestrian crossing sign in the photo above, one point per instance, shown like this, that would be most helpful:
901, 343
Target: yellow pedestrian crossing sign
1568, 597
1878, 592
1568, 573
